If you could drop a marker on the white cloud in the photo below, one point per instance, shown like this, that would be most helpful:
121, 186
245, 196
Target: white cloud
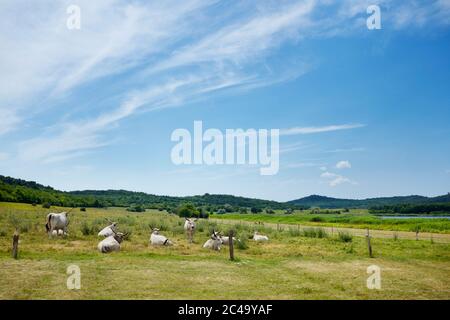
345, 164
339, 180
334, 179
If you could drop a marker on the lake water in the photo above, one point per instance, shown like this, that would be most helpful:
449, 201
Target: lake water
414, 217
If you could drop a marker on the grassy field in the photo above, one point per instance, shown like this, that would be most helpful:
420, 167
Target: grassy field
358, 218
292, 265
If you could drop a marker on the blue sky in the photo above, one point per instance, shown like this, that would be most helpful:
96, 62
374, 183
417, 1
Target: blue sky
94, 108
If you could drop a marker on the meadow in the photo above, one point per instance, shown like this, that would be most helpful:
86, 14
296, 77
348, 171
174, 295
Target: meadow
355, 218
294, 264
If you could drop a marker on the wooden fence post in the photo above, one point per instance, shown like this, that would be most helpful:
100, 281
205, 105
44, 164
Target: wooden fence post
15, 247
230, 242
369, 246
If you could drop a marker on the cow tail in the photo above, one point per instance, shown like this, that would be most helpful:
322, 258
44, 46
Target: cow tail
47, 225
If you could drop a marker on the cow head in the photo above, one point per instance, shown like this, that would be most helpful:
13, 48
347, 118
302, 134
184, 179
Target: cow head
119, 236
190, 224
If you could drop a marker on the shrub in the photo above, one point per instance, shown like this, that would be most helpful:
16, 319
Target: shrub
316, 219
46, 205
289, 211
228, 208
294, 232
127, 233
345, 237
204, 214
255, 210
136, 208
86, 229
83, 209
314, 233
187, 210
243, 210
158, 223
241, 243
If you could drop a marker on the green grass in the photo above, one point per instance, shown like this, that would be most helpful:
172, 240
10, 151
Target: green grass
354, 219
290, 266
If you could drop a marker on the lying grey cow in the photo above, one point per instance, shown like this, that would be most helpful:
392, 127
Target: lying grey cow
214, 243
111, 243
157, 239
226, 239
109, 230
57, 222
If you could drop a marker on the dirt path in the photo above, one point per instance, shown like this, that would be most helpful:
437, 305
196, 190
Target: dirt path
437, 237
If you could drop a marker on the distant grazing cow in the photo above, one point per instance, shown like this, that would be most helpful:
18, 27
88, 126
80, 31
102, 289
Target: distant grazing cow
157, 239
214, 243
111, 243
259, 237
189, 227
109, 230
57, 222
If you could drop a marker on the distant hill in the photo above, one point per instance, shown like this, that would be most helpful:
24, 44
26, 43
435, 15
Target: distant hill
327, 202
17, 190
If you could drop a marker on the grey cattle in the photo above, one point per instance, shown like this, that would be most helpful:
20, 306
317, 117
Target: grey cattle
57, 222
189, 227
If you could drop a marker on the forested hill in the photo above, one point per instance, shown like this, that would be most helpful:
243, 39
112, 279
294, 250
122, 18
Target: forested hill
327, 202
16, 190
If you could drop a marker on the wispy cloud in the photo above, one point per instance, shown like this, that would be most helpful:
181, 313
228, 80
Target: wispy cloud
302, 165
148, 42
345, 150
8, 120
310, 130
4, 156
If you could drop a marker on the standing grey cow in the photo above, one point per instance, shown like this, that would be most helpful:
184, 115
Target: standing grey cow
57, 222
189, 227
